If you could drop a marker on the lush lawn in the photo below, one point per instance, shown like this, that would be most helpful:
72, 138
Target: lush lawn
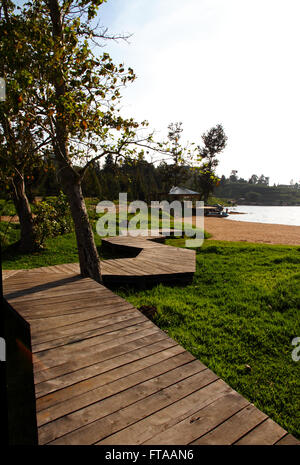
62, 249
7, 208
239, 317
58, 250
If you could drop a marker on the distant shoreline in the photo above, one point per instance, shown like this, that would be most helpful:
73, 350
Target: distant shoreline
263, 205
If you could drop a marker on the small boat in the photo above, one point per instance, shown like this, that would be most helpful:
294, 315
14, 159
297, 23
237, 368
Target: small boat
217, 214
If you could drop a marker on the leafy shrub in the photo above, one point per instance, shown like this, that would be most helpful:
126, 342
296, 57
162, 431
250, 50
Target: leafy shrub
7, 208
52, 218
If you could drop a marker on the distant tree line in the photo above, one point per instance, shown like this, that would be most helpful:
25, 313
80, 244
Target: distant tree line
138, 177
143, 180
254, 179
257, 191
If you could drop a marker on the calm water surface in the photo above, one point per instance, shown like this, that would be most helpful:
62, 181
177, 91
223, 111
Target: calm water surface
274, 215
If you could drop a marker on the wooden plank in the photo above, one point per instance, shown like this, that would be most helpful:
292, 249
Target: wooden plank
170, 251
154, 258
149, 264
97, 357
47, 323
266, 433
174, 260
83, 305
100, 379
202, 421
165, 267
26, 295
64, 268
117, 323
95, 422
29, 279
105, 374
187, 259
288, 440
9, 273
44, 279
158, 422
61, 303
146, 268
159, 267
161, 258
82, 326
39, 364
81, 374
73, 267
234, 428
50, 357
107, 389
111, 268
127, 265
26, 275
50, 288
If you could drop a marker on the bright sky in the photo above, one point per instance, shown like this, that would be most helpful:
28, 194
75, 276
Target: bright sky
204, 62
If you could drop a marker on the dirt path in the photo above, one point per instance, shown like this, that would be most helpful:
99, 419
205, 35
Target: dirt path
11, 219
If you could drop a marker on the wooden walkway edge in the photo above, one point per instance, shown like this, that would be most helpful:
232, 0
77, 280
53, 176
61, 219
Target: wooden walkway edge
105, 374
153, 262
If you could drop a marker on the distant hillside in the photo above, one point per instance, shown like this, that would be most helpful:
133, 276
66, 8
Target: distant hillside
258, 194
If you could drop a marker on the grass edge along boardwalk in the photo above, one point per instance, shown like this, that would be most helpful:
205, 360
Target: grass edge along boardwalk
150, 262
105, 374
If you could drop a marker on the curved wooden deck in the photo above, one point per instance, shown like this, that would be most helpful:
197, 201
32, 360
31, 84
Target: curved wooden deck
105, 374
151, 262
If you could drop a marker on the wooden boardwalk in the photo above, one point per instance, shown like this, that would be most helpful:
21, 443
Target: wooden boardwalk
105, 374
152, 262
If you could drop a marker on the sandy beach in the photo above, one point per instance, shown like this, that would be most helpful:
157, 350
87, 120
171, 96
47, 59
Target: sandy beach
225, 229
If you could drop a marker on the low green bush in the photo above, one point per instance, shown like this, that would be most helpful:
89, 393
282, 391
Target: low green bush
52, 218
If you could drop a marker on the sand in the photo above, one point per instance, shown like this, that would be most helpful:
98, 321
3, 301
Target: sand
225, 229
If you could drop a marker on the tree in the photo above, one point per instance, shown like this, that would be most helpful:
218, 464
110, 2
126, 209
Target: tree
177, 172
109, 165
76, 96
233, 176
253, 179
20, 138
263, 180
214, 143
253, 196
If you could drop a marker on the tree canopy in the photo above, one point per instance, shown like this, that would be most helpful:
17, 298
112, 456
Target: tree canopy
63, 106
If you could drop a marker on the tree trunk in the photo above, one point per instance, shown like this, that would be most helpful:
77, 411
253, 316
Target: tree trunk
28, 241
88, 256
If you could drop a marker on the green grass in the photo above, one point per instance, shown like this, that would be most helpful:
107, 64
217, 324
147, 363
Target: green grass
214, 200
241, 309
58, 250
7, 208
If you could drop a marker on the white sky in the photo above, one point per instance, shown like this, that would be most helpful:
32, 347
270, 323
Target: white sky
204, 62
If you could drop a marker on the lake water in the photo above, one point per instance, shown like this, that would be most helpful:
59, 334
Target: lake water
274, 215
